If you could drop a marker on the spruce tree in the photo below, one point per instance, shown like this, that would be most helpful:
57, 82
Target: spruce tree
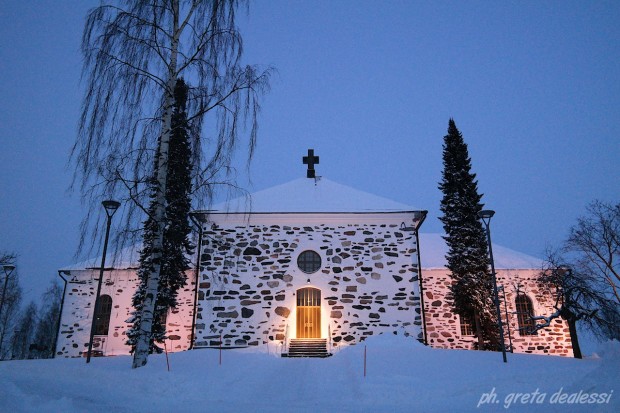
468, 262
176, 243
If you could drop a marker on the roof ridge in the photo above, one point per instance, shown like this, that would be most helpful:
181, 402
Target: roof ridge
305, 195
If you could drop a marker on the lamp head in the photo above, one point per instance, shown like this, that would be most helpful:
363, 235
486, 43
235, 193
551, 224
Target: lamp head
486, 214
566, 269
110, 207
8, 269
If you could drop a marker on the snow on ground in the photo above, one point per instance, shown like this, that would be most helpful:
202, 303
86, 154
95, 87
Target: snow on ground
402, 376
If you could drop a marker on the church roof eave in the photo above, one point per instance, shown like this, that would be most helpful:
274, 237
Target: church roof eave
212, 212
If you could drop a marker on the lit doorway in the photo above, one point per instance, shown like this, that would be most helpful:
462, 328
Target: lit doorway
309, 313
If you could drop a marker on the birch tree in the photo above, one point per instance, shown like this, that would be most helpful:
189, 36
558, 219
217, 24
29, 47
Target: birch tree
133, 54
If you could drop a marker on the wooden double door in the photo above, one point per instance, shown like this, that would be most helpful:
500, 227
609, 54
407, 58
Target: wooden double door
309, 313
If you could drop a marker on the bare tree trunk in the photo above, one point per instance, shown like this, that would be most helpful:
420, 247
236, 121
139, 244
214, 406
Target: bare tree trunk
572, 328
146, 321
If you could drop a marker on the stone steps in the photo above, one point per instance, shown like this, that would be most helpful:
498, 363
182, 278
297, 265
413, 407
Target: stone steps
307, 347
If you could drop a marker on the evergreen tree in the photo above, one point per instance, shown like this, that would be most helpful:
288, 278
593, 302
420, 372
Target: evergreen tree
176, 243
468, 262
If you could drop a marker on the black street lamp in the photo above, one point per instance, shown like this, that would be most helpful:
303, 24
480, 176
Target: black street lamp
503, 290
485, 216
110, 208
8, 269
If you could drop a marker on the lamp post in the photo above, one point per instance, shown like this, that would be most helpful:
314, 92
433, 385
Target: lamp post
110, 208
485, 216
501, 287
8, 269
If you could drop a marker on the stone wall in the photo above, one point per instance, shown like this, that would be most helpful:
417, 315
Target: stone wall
249, 277
120, 285
443, 325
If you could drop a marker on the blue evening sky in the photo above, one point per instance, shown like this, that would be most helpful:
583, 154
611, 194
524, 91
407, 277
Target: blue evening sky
370, 85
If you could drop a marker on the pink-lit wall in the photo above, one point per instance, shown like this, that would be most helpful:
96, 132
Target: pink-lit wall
120, 286
443, 325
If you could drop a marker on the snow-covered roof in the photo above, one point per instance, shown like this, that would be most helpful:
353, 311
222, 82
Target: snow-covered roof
309, 195
433, 250
124, 259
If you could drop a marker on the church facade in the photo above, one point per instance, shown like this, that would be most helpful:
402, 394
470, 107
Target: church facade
316, 267
312, 260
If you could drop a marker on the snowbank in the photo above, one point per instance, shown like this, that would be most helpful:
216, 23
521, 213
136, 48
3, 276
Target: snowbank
401, 376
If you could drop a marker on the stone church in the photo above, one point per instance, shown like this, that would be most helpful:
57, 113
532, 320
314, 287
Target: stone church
310, 266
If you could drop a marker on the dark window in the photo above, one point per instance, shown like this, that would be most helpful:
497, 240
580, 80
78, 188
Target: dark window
309, 262
163, 319
525, 312
102, 315
467, 325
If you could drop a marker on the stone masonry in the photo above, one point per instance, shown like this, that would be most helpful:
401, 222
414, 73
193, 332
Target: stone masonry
249, 277
120, 285
443, 325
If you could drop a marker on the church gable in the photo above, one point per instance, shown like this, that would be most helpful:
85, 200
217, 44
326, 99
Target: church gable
318, 196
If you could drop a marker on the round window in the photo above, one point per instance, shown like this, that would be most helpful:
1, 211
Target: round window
309, 262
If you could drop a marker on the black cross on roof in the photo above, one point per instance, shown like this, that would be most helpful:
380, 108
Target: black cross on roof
310, 160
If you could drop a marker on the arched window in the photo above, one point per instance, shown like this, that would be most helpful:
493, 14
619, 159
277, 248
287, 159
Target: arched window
163, 319
102, 315
525, 312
